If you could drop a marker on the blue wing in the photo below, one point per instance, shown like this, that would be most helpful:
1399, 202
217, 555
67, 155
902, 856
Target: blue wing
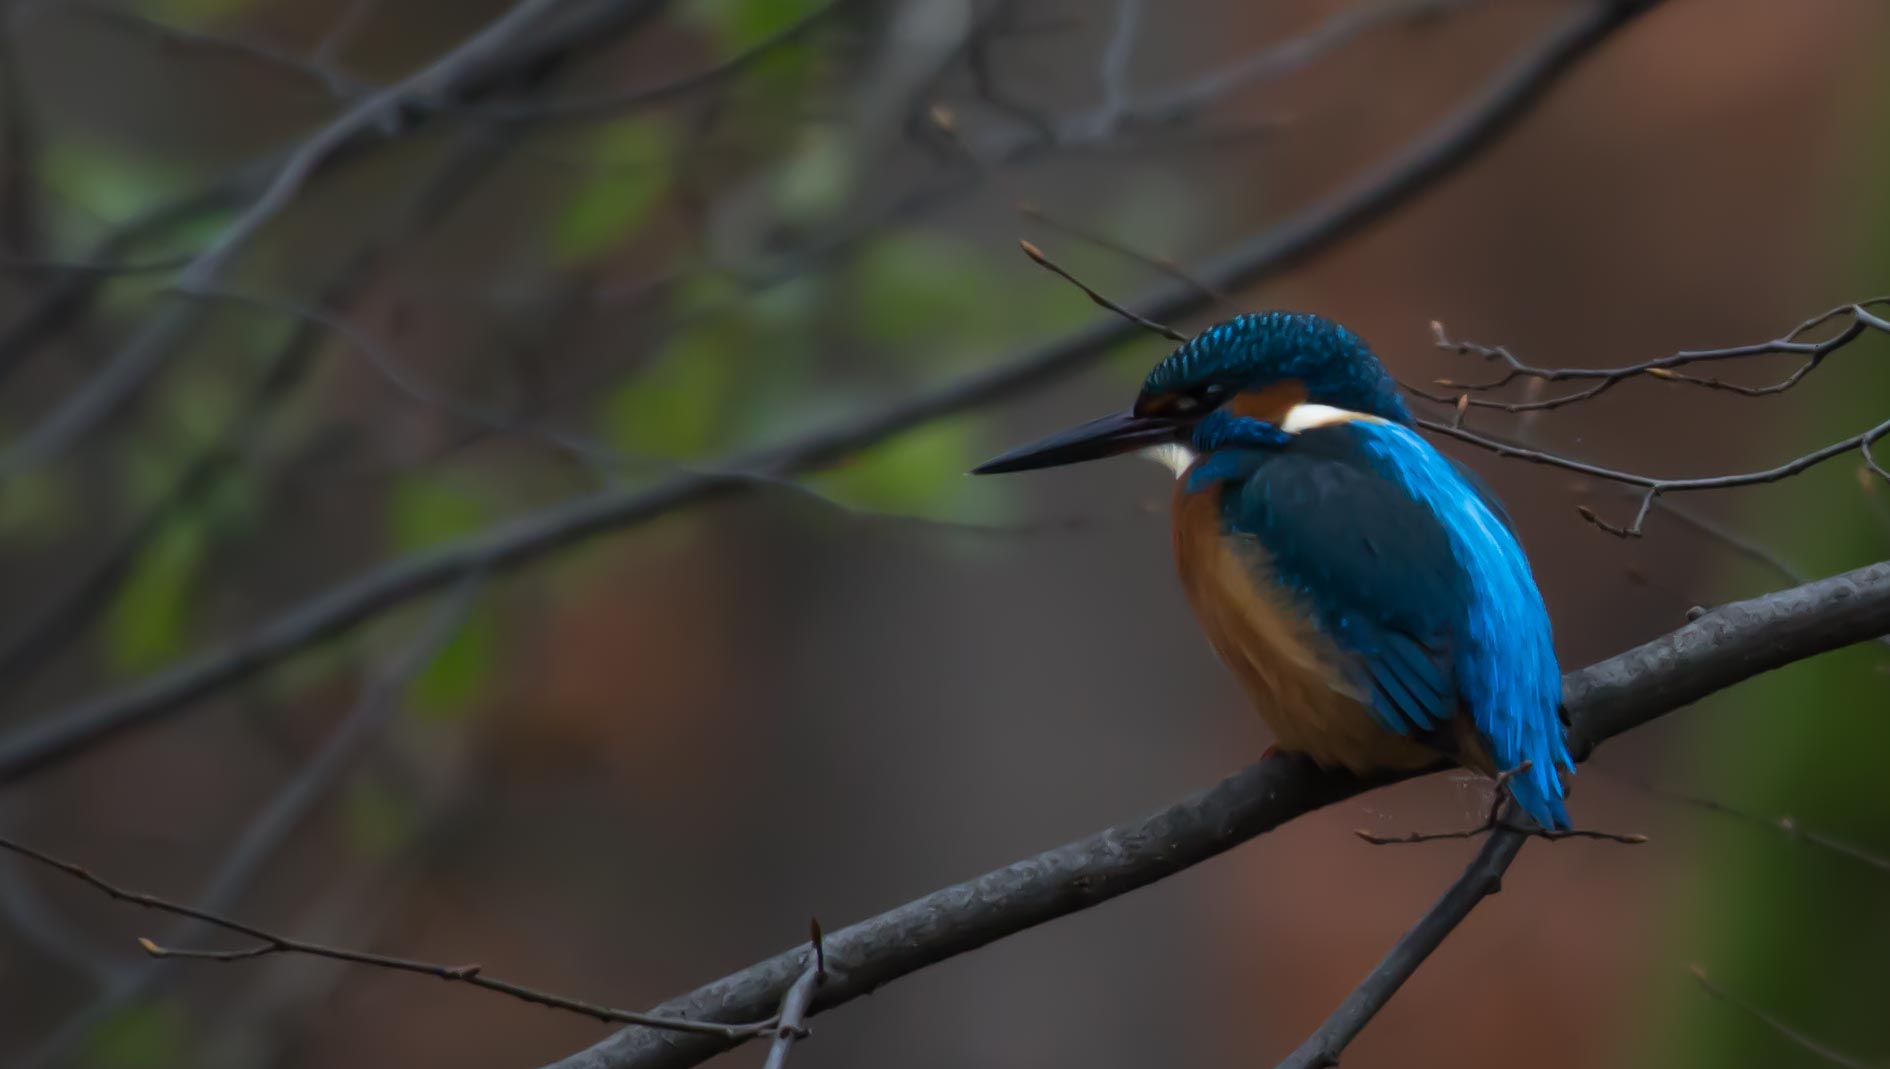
1371, 565
1413, 571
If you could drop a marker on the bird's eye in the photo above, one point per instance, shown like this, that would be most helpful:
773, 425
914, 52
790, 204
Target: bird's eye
1184, 405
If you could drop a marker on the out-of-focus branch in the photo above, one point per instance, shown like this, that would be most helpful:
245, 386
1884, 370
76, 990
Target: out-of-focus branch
1440, 152
1725, 646
1785, 825
65, 299
149, 347
279, 820
606, 105
49, 631
263, 55
1783, 1030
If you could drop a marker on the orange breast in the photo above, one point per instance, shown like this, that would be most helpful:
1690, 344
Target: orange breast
1286, 666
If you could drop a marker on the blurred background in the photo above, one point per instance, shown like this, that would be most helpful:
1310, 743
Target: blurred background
630, 766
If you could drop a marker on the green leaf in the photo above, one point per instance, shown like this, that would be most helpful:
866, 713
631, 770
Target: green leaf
932, 297
424, 512
143, 1035
103, 182
630, 170
450, 685
738, 24
678, 406
921, 472
150, 619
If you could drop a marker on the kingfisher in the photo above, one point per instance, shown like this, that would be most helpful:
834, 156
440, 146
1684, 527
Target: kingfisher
1370, 595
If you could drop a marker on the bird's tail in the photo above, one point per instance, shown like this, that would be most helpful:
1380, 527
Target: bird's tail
1539, 791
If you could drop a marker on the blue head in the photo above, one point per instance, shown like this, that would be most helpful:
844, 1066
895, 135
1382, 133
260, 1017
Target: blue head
1256, 366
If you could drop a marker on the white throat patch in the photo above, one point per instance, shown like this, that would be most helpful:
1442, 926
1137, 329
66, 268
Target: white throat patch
1171, 455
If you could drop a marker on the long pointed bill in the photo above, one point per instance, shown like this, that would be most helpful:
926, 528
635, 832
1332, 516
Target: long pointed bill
1122, 432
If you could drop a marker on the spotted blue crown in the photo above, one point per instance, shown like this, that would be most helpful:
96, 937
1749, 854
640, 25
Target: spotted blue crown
1253, 351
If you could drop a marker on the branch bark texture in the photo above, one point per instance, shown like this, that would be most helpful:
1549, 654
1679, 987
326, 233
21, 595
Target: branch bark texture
1725, 646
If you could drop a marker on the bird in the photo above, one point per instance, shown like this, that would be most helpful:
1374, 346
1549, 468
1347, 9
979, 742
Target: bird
1370, 594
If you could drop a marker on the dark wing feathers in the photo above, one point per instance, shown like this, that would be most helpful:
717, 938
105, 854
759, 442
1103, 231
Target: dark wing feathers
1372, 565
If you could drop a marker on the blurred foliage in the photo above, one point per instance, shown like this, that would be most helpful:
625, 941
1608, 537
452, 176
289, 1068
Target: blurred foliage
150, 620
143, 1035
629, 163
920, 473
740, 24
38, 507
1796, 931
678, 405
377, 821
100, 185
425, 511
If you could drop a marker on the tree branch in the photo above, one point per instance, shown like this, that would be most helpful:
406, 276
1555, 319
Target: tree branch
1729, 644
1483, 878
1440, 152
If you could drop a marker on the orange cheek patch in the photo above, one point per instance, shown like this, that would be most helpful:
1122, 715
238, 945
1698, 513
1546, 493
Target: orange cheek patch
1271, 404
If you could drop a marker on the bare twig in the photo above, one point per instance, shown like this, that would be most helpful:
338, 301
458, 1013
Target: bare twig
1723, 647
1037, 255
285, 813
1494, 820
1165, 265
268, 942
1444, 149
1856, 317
1785, 1031
1651, 486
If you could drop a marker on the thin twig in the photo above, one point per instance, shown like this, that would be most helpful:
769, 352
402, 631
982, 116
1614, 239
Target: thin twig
1163, 264
268, 942
1793, 1035
1651, 486
1036, 254
1856, 315
282, 817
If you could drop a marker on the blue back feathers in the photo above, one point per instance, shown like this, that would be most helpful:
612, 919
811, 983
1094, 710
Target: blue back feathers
1505, 654
1403, 559
1250, 352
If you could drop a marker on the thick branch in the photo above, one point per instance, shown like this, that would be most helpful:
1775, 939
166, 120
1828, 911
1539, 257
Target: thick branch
1729, 644
1440, 152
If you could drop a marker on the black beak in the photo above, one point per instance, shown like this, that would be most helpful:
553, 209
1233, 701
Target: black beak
1122, 432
